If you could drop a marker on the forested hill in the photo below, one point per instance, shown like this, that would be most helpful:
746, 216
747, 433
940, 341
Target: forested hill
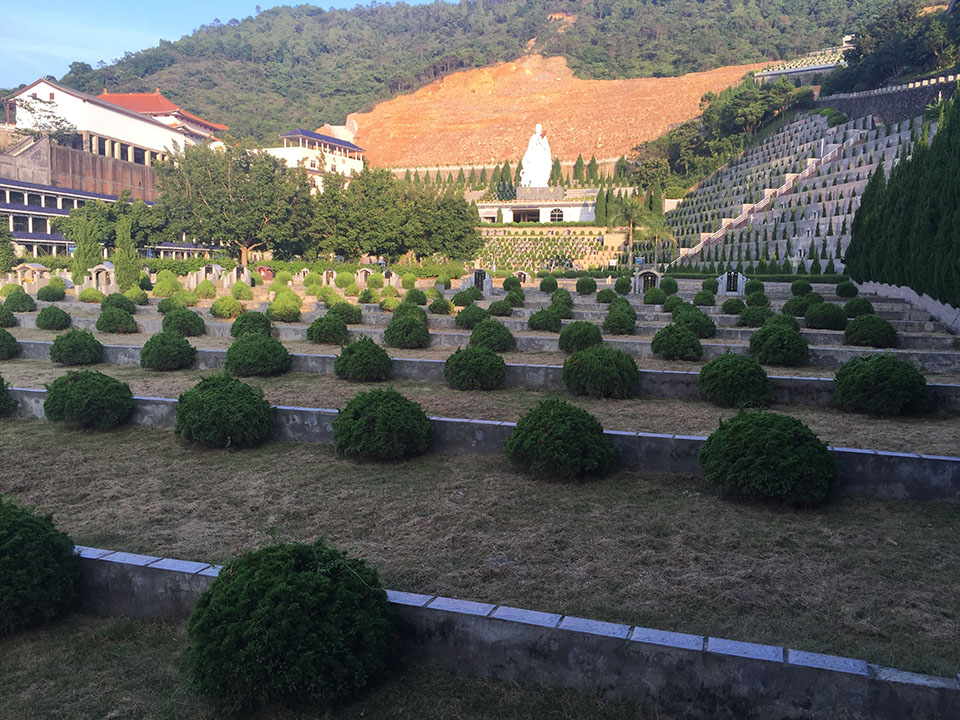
302, 66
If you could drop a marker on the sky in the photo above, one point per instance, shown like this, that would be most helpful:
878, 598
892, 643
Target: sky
39, 40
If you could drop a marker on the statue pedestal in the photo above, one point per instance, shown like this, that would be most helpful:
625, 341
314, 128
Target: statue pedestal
540, 194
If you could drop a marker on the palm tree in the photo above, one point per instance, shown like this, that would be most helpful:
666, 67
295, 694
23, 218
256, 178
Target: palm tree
630, 211
657, 229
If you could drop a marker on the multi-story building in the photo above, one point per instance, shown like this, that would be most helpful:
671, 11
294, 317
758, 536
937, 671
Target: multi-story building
318, 155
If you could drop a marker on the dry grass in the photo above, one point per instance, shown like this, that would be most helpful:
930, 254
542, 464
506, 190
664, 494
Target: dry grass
933, 435
866, 578
92, 668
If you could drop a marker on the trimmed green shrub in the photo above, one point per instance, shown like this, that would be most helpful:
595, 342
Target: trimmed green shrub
470, 316
10, 288
342, 280
732, 306
825, 316
166, 285
586, 286
6, 317
348, 312
557, 439
183, 321
9, 347
415, 296
283, 309
406, 309
20, 302
606, 296
51, 293
206, 290
462, 299
768, 456
622, 285
7, 403
779, 345
306, 624
800, 287
76, 347
847, 289
668, 285
695, 320
52, 318
255, 354
168, 304
579, 335
115, 320
251, 322
119, 301
501, 308
758, 299
754, 316
753, 286
857, 307
547, 320
389, 304
711, 286
241, 291
516, 298
389, 291
440, 307
329, 329
220, 411
787, 321
564, 312
406, 332
432, 294
492, 334
676, 342
881, 384
375, 281
561, 297
226, 306
704, 298
512, 283
548, 284
362, 361
474, 368
798, 306
408, 281
88, 399
620, 320
285, 276
145, 283
90, 295
185, 298
601, 371
381, 425
39, 569
735, 381
368, 296
672, 303
654, 296
167, 351
871, 331
136, 295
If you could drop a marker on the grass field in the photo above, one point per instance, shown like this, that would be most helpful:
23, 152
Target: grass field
84, 667
867, 578
933, 435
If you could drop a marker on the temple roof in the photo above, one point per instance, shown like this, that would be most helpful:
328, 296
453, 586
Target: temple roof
154, 104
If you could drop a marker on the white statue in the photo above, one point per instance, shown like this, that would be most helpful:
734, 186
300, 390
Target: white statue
536, 163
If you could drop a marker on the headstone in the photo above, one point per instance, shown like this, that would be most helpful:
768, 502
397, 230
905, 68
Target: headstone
732, 283
329, 276
644, 280
266, 274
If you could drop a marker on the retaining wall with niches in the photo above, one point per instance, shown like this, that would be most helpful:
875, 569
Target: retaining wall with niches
788, 390
695, 676
902, 476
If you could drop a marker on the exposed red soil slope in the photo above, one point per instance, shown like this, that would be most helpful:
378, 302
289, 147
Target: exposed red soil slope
487, 115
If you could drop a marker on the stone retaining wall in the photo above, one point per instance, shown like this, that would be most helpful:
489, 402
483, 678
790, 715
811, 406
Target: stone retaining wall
693, 676
902, 476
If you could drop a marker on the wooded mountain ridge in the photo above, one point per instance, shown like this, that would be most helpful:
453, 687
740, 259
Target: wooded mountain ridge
304, 66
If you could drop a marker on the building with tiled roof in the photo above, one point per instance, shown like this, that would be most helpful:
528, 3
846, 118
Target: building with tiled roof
160, 107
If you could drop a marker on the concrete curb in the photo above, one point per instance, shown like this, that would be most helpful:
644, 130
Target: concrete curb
698, 676
901, 476
790, 390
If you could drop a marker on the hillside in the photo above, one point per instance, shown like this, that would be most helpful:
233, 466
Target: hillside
487, 115
304, 66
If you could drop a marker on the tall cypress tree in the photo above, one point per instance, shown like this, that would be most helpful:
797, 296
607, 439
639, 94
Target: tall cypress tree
601, 210
126, 263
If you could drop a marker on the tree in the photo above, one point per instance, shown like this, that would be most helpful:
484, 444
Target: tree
601, 209
8, 258
88, 234
592, 169
630, 212
126, 262
241, 198
578, 169
43, 120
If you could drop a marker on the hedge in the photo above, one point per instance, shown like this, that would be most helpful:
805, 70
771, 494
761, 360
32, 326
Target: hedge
474, 368
220, 411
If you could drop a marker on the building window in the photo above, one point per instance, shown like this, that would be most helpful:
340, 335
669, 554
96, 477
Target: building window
66, 204
50, 201
34, 200
51, 96
21, 223
81, 203
556, 215
16, 198
40, 225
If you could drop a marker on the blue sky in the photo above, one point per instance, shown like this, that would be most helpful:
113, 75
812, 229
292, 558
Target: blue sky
38, 40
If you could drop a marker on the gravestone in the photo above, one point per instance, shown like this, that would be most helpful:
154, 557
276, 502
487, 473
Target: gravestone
644, 280
266, 274
732, 283
363, 274
329, 276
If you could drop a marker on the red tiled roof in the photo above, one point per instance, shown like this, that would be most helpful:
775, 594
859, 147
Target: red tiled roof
153, 104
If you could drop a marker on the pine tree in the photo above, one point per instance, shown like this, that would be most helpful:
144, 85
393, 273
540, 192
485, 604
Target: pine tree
592, 169
416, 177
578, 169
601, 209
407, 177
505, 176
126, 263
8, 258
87, 252
482, 180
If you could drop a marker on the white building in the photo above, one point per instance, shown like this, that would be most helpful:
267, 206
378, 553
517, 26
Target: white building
542, 205
318, 155
104, 127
